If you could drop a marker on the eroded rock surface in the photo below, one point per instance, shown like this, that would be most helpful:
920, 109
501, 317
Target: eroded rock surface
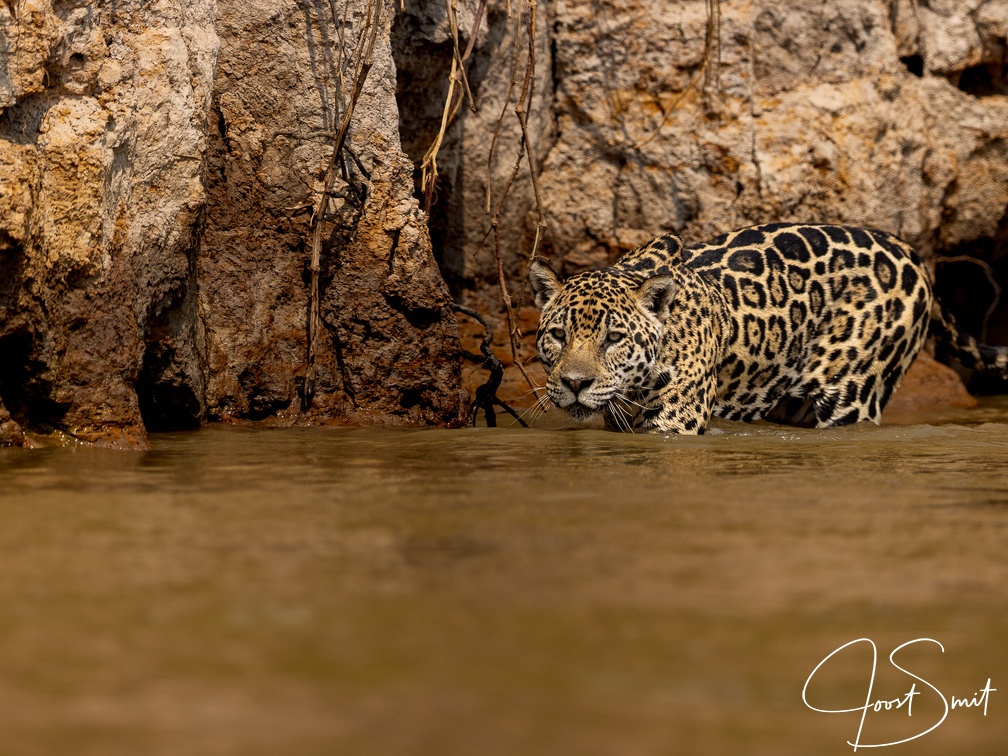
11, 433
101, 151
388, 350
155, 200
889, 114
159, 164
808, 113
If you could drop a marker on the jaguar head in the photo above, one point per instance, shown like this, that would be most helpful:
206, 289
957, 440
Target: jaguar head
599, 334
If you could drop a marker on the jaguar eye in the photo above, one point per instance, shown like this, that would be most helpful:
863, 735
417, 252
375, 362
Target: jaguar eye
557, 333
614, 337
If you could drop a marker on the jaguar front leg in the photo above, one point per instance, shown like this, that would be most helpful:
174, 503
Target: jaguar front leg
682, 404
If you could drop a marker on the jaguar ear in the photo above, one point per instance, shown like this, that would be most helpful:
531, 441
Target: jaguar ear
656, 295
545, 282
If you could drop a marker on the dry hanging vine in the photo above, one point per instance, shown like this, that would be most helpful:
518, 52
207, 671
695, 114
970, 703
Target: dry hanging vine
459, 91
527, 13
337, 165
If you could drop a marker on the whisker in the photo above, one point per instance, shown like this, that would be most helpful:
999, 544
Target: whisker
619, 416
536, 410
628, 400
533, 391
527, 414
624, 403
542, 405
540, 411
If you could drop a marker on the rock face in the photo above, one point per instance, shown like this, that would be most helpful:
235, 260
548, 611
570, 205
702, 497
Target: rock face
891, 114
927, 385
160, 164
808, 113
389, 344
101, 149
154, 217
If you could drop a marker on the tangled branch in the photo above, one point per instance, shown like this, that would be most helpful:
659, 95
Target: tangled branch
486, 395
337, 166
458, 90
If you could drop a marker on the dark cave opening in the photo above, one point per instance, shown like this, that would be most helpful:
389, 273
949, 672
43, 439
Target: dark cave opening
24, 389
985, 79
165, 404
914, 64
972, 283
170, 389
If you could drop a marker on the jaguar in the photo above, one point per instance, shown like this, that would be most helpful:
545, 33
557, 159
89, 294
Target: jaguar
803, 324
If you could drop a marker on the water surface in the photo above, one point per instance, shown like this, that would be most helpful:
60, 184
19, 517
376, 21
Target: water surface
502, 591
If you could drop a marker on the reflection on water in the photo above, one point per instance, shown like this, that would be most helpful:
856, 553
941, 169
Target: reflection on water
503, 591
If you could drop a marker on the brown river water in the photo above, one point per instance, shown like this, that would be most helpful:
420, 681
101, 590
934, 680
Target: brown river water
508, 591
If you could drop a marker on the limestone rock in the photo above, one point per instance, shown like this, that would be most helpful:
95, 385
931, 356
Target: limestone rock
156, 196
155, 202
389, 347
928, 384
886, 113
29, 32
809, 111
101, 150
809, 114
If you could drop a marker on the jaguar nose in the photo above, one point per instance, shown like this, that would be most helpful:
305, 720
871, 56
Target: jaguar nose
576, 384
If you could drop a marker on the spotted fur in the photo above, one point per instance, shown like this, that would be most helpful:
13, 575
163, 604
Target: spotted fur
810, 325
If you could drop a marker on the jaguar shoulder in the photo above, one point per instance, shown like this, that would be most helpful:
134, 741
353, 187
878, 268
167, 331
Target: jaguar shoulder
811, 325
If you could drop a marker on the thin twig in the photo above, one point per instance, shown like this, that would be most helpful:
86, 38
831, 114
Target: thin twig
458, 92
521, 111
500, 122
362, 65
453, 22
524, 99
476, 26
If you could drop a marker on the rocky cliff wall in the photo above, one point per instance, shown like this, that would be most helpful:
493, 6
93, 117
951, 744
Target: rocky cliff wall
841, 111
102, 144
889, 113
388, 347
159, 165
